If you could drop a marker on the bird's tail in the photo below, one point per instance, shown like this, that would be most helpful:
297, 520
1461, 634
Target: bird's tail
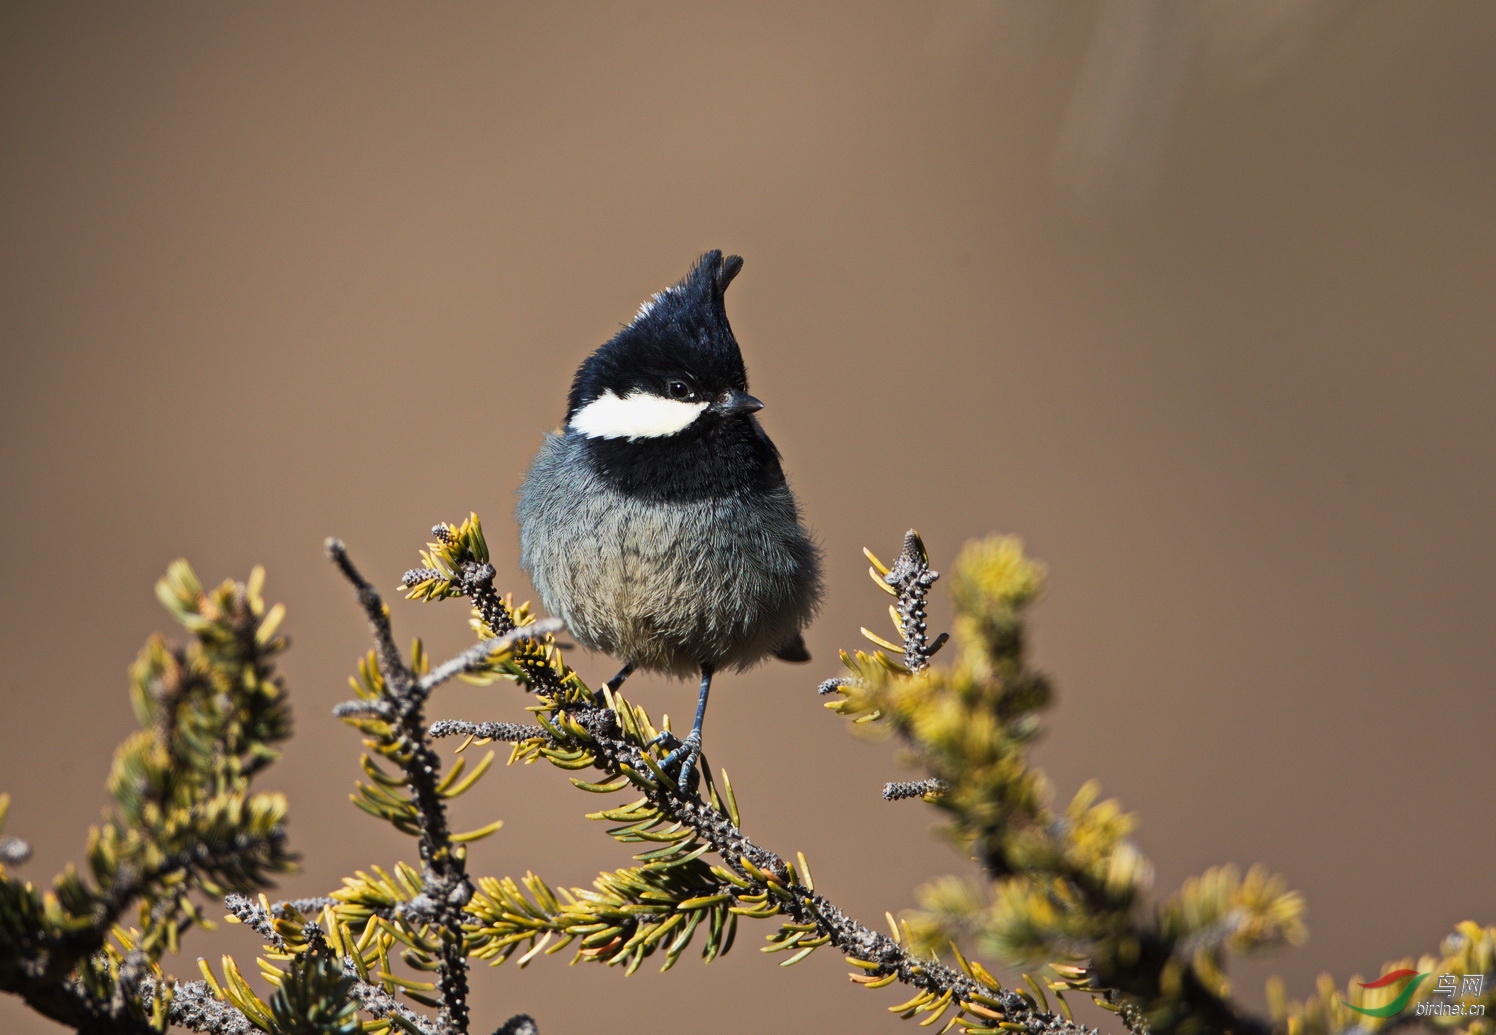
794, 650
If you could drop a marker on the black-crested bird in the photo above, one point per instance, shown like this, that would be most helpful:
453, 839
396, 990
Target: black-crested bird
657, 522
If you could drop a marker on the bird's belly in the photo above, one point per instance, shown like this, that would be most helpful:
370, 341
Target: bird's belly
670, 586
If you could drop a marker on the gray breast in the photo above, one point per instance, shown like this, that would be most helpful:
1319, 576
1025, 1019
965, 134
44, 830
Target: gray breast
666, 586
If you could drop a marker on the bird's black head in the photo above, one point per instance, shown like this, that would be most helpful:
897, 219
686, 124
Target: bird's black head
664, 406
675, 365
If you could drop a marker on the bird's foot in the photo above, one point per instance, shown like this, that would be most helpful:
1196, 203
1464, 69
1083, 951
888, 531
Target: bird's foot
687, 752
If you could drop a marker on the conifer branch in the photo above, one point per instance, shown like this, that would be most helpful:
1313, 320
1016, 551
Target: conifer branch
445, 888
1066, 885
72, 1004
605, 732
763, 872
184, 821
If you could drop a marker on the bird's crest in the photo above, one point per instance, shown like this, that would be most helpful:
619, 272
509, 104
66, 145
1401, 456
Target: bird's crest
703, 288
683, 328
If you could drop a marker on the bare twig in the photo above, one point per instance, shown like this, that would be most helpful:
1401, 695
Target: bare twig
509, 732
479, 654
196, 1008
380, 1004
254, 916
13, 851
912, 577
898, 790
445, 882
519, 1024
391, 663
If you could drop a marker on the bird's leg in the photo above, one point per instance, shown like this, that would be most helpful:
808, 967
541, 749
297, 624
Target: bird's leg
690, 749
617, 681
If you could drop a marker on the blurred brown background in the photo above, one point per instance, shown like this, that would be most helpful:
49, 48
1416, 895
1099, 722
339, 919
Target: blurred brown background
1195, 297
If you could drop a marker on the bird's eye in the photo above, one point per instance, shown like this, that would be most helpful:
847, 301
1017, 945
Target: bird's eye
678, 389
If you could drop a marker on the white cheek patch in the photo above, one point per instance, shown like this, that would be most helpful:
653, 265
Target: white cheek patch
636, 415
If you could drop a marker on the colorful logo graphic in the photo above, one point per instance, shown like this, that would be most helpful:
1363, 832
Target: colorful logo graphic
1397, 1005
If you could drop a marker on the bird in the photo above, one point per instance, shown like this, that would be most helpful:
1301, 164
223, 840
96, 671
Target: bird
657, 521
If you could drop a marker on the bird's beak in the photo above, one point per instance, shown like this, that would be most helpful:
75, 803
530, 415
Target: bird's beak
735, 403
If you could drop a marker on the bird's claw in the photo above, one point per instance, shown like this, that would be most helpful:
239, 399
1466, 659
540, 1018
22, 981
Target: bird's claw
669, 741
687, 752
